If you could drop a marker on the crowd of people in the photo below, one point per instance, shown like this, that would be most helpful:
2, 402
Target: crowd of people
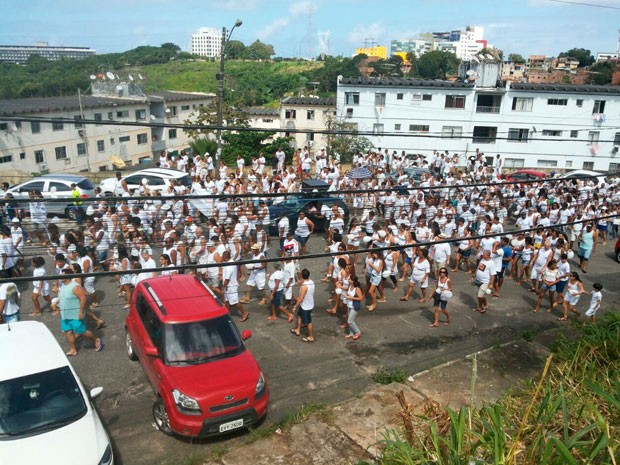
408, 234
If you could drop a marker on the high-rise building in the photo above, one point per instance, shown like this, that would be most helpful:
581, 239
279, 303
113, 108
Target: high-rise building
207, 42
20, 54
416, 46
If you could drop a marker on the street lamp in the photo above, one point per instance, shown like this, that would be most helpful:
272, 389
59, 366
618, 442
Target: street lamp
220, 91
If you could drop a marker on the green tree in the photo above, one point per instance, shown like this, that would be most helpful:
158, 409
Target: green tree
436, 65
202, 145
235, 49
344, 140
601, 73
516, 58
583, 55
258, 51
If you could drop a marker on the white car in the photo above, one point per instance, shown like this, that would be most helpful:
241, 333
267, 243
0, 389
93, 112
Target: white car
156, 179
46, 415
585, 175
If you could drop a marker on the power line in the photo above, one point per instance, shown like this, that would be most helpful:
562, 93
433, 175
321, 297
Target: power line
586, 4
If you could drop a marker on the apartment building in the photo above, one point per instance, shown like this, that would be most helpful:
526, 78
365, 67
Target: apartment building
19, 54
553, 126
67, 144
307, 114
207, 42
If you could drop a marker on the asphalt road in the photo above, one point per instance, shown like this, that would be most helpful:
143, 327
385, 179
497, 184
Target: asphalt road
396, 335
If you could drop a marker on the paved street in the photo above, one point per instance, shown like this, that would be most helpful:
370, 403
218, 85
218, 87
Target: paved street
331, 369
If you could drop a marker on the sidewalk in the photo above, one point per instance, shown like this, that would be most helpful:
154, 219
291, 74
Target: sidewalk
350, 431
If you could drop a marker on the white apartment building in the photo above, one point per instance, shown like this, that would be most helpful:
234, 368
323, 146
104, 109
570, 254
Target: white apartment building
265, 118
548, 126
308, 114
69, 145
20, 54
207, 42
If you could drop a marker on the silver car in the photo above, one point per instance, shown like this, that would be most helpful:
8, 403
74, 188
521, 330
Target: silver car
53, 186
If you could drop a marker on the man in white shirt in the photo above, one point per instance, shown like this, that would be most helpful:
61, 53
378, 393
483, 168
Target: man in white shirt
485, 279
230, 286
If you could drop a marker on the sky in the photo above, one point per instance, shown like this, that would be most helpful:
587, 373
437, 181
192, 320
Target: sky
293, 26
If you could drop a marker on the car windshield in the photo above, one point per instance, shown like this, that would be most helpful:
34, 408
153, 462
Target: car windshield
86, 184
201, 341
39, 402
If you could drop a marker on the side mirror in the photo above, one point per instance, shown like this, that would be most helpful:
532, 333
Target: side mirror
246, 334
151, 351
95, 392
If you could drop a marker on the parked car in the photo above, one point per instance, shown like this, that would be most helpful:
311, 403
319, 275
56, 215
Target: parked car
595, 176
156, 178
617, 250
53, 186
412, 173
46, 415
206, 381
525, 175
310, 204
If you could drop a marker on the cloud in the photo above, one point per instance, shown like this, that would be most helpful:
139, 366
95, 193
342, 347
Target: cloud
361, 32
234, 5
272, 28
296, 10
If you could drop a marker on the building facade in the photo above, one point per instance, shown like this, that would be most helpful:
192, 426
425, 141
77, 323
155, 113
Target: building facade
19, 54
69, 145
307, 114
555, 127
378, 51
207, 42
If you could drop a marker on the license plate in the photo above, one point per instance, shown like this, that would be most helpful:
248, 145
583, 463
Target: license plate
231, 425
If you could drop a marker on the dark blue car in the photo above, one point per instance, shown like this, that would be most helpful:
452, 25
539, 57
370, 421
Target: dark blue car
310, 204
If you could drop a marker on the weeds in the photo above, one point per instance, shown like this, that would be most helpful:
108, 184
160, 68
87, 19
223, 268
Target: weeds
569, 417
293, 417
389, 376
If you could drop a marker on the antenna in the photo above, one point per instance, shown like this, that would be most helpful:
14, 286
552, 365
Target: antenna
310, 33
324, 43
110, 75
618, 49
369, 42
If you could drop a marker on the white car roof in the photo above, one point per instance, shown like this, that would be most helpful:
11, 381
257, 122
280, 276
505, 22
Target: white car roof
166, 172
583, 172
28, 347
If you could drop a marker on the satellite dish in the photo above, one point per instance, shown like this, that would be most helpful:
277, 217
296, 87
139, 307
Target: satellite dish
490, 57
153, 117
110, 75
93, 77
168, 110
140, 76
130, 77
470, 73
119, 87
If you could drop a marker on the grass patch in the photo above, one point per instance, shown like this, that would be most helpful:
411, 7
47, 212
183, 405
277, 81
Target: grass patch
571, 415
528, 335
293, 417
389, 376
218, 451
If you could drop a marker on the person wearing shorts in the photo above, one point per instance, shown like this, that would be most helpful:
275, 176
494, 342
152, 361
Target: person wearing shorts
230, 286
276, 286
441, 295
574, 290
257, 278
420, 271
304, 306
40, 288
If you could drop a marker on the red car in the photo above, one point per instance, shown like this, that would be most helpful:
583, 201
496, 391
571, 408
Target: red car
525, 175
206, 381
617, 250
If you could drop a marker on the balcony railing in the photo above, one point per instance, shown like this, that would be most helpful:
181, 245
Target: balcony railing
487, 109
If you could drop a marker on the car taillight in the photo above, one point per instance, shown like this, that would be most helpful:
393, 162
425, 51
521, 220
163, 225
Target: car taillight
84, 196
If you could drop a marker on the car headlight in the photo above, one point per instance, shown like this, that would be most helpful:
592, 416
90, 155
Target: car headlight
260, 386
184, 402
106, 458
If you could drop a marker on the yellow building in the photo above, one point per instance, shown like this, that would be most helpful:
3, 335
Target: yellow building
377, 51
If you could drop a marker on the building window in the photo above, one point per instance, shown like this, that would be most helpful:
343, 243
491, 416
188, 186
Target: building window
380, 99
22, 156
173, 111
614, 167
310, 137
416, 99
77, 119
455, 101
61, 153
6, 159
35, 127
184, 107
557, 101
427, 97
418, 127
547, 163
39, 157
81, 148
518, 135
593, 137
551, 133
349, 113
569, 163
124, 139
98, 117
522, 103
451, 132
100, 146
57, 126
310, 115
267, 120
514, 163
172, 133
484, 134
400, 96
377, 128
397, 127
290, 114
599, 107
122, 114
588, 165
579, 102
574, 134
351, 98
140, 114
142, 138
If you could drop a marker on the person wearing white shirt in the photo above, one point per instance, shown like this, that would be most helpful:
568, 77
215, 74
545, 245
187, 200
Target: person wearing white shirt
485, 279
230, 286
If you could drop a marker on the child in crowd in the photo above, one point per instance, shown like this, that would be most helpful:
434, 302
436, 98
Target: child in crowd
595, 301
